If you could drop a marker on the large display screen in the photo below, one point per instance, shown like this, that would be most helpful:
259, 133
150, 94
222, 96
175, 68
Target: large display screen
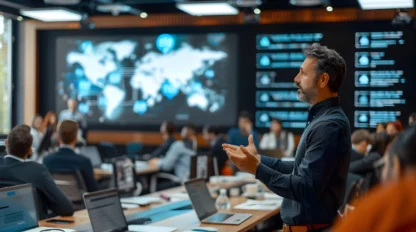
151, 78
377, 89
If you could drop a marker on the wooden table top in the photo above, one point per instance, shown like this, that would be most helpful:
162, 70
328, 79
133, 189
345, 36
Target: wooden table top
184, 221
101, 173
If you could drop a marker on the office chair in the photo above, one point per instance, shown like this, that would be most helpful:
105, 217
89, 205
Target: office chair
107, 151
72, 184
202, 166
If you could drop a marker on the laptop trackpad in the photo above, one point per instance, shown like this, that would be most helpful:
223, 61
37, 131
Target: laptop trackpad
224, 218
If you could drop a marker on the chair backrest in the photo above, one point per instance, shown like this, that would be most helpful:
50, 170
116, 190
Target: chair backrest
71, 183
92, 153
107, 151
201, 166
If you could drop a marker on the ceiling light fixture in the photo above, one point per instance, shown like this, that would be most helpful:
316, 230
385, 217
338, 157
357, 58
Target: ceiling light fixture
385, 4
207, 8
257, 11
306, 2
329, 8
52, 14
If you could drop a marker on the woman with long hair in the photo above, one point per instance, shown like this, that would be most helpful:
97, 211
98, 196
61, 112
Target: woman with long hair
48, 127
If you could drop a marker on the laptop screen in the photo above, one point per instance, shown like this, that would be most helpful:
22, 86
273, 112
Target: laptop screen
124, 174
17, 208
104, 209
201, 199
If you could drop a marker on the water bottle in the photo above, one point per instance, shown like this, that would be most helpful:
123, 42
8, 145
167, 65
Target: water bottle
260, 192
223, 203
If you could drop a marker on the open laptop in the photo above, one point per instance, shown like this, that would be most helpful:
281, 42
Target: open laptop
18, 210
204, 205
105, 212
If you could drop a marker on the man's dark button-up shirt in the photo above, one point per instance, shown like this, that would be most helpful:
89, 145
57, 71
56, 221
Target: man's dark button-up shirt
313, 186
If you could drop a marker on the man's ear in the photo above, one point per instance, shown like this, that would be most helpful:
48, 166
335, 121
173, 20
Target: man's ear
323, 80
5, 142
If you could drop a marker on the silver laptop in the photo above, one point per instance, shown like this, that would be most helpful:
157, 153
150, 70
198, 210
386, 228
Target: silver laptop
18, 210
204, 205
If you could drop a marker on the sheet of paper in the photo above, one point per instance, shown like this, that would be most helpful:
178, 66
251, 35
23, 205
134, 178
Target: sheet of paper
151, 228
260, 205
140, 200
129, 206
272, 196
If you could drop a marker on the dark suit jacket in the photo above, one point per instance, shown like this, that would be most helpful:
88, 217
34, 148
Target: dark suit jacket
67, 160
14, 172
355, 156
219, 153
163, 149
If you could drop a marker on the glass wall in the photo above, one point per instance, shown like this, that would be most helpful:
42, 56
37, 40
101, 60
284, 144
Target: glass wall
5, 74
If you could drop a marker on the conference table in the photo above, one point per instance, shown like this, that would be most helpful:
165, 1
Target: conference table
100, 173
185, 221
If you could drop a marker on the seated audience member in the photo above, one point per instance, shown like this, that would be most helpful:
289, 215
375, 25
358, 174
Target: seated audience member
278, 138
35, 131
239, 136
66, 159
412, 118
392, 206
15, 171
365, 166
167, 129
381, 128
48, 128
177, 158
215, 140
392, 128
360, 140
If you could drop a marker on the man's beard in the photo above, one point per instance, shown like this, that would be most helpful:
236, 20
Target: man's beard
307, 96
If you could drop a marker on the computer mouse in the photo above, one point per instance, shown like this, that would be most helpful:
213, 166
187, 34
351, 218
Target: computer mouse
205, 229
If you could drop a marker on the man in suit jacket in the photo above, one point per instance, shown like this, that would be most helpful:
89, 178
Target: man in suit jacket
360, 140
66, 159
14, 170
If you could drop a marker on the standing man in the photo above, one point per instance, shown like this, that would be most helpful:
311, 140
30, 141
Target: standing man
313, 186
72, 113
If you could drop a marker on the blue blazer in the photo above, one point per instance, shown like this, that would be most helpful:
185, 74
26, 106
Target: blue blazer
49, 196
67, 160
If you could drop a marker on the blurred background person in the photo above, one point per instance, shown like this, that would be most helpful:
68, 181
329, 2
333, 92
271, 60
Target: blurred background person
399, 178
239, 136
360, 139
49, 139
215, 140
167, 129
412, 118
278, 138
381, 128
72, 113
392, 128
36, 131
177, 159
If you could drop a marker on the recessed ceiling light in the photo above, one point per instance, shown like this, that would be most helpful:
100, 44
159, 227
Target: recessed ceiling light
385, 4
52, 14
207, 8
329, 8
19, 18
257, 11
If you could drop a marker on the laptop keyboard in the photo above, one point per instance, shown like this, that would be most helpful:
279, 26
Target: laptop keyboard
219, 217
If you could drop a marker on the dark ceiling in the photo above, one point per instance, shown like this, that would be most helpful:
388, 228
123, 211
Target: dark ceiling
152, 6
